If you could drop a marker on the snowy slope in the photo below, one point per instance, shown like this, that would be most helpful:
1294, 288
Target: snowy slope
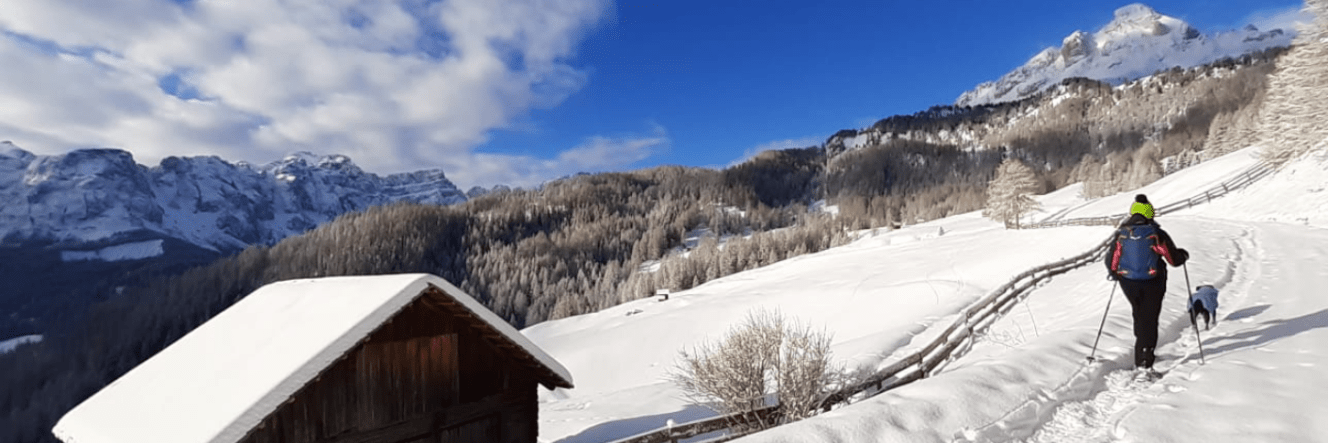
1028, 378
1136, 43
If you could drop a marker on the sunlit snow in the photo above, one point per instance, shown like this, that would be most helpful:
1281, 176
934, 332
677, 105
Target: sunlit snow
1027, 379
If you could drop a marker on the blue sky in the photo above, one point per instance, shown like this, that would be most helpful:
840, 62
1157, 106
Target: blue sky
511, 91
727, 78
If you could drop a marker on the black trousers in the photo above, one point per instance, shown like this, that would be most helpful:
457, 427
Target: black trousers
1145, 298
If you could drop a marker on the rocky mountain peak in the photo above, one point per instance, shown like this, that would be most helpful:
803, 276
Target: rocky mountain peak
1134, 16
1078, 45
13, 157
99, 194
1138, 42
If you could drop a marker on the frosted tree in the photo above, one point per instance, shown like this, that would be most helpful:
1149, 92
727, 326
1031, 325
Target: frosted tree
1010, 194
1297, 98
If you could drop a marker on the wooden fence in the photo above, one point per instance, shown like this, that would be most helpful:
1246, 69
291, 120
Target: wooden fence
681, 431
960, 335
1251, 175
1245, 178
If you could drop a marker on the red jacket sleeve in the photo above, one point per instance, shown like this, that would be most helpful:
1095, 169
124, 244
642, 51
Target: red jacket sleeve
1168, 250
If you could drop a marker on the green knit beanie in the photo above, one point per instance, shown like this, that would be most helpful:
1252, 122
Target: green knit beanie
1142, 208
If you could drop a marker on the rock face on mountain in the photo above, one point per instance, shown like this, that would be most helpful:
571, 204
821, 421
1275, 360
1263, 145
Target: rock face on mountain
1136, 43
96, 196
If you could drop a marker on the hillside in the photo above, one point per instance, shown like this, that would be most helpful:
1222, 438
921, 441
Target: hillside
936, 163
571, 247
79, 227
883, 295
577, 245
901, 170
575, 259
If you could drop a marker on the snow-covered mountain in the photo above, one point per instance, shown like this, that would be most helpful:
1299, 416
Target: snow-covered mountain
1136, 43
101, 196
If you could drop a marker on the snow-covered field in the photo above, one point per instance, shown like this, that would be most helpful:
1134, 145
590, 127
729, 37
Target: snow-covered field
1027, 379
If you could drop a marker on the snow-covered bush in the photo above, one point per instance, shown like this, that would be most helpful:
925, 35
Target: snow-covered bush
765, 354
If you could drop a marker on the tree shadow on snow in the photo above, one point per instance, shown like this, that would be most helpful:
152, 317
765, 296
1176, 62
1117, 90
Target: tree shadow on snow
619, 429
1269, 331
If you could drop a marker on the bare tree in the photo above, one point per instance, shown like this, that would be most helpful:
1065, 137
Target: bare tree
1010, 194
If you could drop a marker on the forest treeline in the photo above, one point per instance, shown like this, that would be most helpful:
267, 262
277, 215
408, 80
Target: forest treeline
587, 242
573, 246
1111, 138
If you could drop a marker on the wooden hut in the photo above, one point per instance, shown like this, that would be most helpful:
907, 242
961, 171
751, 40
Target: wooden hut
398, 358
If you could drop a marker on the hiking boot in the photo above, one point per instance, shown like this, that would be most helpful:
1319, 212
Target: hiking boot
1146, 375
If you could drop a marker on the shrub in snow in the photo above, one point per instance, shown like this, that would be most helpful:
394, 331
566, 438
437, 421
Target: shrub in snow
766, 354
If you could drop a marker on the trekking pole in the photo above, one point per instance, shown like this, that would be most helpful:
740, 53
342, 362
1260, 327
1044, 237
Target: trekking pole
1198, 339
1104, 321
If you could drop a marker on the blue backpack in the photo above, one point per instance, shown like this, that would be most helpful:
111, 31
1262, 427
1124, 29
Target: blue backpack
1138, 261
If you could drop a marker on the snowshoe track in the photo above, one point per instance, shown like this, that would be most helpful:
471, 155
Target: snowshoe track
1092, 404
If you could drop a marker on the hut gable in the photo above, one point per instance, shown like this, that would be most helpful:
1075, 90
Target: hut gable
381, 358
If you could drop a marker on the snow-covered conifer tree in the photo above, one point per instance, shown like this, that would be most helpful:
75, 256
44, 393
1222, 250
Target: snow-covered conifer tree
1010, 194
1297, 98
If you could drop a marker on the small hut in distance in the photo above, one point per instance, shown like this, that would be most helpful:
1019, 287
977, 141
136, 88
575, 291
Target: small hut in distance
397, 358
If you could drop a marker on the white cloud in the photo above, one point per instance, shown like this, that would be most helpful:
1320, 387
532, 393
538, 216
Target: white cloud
792, 143
596, 154
1289, 19
395, 85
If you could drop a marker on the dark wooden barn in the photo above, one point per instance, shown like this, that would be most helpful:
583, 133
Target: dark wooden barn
423, 363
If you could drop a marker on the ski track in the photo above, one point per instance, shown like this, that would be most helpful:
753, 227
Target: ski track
1092, 404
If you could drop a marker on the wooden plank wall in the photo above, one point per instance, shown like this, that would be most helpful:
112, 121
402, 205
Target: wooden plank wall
427, 375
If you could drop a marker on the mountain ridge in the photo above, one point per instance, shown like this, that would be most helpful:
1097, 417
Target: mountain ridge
96, 195
1136, 43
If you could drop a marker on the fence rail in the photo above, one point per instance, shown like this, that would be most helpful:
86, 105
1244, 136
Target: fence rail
1245, 178
1251, 175
919, 364
680, 431
959, 336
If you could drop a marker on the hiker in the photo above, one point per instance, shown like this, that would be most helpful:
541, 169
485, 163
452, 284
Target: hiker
1133, 261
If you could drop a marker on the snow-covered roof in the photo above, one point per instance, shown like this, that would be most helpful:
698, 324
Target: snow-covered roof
220, 380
